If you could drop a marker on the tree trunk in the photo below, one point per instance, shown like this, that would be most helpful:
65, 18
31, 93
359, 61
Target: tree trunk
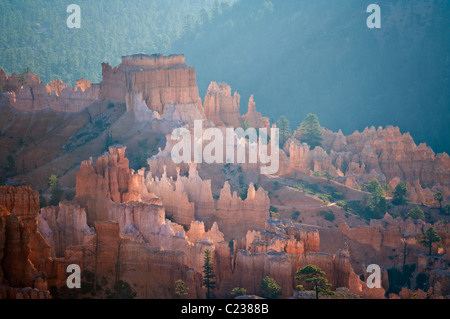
404, 257
317, 289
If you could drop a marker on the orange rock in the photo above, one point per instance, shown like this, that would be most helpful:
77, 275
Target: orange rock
222, 108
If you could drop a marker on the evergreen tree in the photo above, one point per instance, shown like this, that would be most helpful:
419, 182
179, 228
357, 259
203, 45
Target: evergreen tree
400, 194
270, 289
311, 131
438, 196
431, 236
208, 273
285, 130
416, 213
314, 275
55, 190
377, 201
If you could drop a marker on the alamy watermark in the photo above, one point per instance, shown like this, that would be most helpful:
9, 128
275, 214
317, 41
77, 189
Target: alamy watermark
374, 279
74, 19
191, 149
74, 279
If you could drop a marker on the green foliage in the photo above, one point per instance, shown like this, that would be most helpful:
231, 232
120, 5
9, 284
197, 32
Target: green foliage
55, 190
238, 292
328, 215
285, 130
35, 34
318, 174
208, 273
343, 204
429, 237
295, 215
311, 131
274, 212
314, 276
439, 197
244, 193
416, 213
377, 202
400, 194
181, 289
269, 288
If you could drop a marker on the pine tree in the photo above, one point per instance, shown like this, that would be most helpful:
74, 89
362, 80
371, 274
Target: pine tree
400, 194
314, 275
416, 213
55, 190
377, 200
285, 130
311, 131
270, 289
431, 236
438, 196
208, 273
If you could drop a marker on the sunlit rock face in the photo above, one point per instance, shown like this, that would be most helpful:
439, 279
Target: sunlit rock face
384, 153
221, 106
161, 79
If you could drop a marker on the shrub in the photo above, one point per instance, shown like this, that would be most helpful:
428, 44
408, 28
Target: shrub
238, 292
295, 215
269, 288
328, 215
416, 213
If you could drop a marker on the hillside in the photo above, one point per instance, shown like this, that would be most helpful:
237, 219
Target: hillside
35, 35
299, 57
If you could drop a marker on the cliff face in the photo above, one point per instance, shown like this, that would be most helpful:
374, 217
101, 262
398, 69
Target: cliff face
195, 200
56, 96
253, 118
385, 154
221, 107
24, 254
160, 79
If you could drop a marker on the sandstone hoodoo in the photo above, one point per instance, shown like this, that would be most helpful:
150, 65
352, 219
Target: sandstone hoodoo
161, 79
131, 217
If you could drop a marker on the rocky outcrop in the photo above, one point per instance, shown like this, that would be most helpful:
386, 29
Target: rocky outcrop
161, 80
221, 107
235, 216
56, 96
253, 118
384, 154
64, 226
24, 254
109, 180
194, 199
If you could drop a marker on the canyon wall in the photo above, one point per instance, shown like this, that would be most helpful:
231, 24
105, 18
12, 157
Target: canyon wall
385, 154
24, 253
162, 80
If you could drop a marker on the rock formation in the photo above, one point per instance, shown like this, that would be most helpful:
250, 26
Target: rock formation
24, 254
221, 107
161, 80
253, 118
384, 154
57, 96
